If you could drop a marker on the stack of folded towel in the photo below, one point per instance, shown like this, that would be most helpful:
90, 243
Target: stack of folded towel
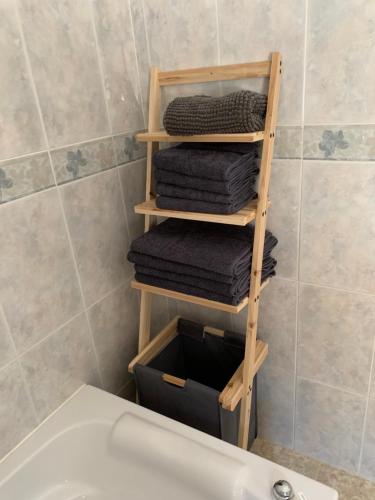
199, 258
206, 177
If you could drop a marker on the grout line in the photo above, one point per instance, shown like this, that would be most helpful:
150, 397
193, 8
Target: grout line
146, 33
33, 85
334, 387
299, 229
86, 142
100, 65
78, 277
362, 444
122, 194
137, 63
123, 283
80, 179
218, 43
16, 360
337, 289
349, 124
217, 32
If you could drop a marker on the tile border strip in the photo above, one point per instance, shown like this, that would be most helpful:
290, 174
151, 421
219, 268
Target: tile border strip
28, 174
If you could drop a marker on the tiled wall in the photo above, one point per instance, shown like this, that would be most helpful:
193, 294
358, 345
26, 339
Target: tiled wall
318, 315
70, 173
72, 74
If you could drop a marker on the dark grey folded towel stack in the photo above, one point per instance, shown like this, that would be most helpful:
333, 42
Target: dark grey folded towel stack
199, 258
239, 112
213, 178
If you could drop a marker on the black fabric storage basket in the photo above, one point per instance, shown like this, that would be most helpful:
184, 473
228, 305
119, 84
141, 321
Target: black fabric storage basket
206, 362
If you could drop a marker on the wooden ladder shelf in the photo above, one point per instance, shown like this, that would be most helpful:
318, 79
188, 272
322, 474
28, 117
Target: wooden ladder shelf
239, 388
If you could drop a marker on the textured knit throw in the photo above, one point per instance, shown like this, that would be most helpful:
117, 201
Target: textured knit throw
238, 112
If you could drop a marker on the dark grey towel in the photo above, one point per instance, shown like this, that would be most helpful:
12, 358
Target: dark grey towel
173, 191
188, 181
166, 265
231, 147
239, 112
239, 286
178, 286
206, 163
199, 206
214, 247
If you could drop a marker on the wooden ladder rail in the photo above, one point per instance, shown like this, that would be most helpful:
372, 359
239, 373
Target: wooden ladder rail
271, 69
258, 247
150, 220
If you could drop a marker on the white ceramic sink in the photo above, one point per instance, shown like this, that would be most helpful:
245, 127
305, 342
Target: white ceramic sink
100, 447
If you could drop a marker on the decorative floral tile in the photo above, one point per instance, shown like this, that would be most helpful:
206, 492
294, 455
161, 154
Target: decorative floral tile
348, 142
23, 176
127, 148
80, 160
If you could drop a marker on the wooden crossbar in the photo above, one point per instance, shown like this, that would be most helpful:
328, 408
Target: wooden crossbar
215, 73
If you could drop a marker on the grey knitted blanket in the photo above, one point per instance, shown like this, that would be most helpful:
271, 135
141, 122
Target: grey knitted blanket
239, 112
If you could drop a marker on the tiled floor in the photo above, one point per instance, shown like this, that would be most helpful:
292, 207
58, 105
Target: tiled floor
348, 486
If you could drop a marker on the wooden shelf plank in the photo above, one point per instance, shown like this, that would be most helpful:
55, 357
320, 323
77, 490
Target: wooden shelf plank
240, 218
162, 136
192, 298
215, 73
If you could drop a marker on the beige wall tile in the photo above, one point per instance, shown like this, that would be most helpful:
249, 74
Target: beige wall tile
118, 59
338, 225
95, 215
336, 337
61, 45
277, 323
20, 127
275, 404
7, 351
249, 31
368, 459
38, 286
329, 424
177, 36
16, 416
59, 365
284, 213
340, 81
133, 181
114, 324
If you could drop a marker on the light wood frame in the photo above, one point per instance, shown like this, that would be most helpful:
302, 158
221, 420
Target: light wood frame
239, 388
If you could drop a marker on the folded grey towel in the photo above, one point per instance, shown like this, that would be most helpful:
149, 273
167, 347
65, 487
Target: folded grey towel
166, 265
239, 286
231, 147
219, 248
192, 182
243, 191
199, 206
239, 112
206, 163
178, 286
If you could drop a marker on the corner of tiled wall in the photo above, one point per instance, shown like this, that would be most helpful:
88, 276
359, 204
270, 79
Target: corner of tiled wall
70, 173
